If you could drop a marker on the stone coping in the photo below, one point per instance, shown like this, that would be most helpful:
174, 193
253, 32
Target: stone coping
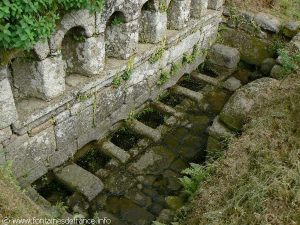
35, 111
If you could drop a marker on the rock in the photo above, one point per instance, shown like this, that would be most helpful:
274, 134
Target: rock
138, 197
178, 14
80, 180
173, 180
236, 110
154, 161
118, 182
296, 42
291, 28
216, 98
277, 72
174, 202
256, 75
179, 165
5, 134
2, 156
214, 148
253, 50
268, 22
247, 15
107, 218
78, 204
198, 8
153, 26
219, 131
41, 79
223, 60
215, 4
232, 84
242, 75
267, 66
8, 109
129, 211
165, 216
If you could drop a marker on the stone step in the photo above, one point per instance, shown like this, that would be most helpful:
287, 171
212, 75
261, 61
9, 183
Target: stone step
144, 130
114, 151
193, 95
230, 84
166, 109
204, 78
80, 180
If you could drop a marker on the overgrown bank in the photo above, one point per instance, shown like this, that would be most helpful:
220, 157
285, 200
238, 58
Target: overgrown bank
14, 204
258, 179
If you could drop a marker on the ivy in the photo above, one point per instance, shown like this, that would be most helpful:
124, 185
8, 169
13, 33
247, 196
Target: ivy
24, 22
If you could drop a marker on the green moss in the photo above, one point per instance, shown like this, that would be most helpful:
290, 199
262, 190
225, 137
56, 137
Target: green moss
253, 50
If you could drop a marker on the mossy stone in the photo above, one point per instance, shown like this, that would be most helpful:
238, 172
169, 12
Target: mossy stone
253, 50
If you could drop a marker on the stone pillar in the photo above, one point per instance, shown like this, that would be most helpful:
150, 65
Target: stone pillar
178, 14
90, 56
153, 26
41, 79
215, 4
198, 8
121, 40
8, 111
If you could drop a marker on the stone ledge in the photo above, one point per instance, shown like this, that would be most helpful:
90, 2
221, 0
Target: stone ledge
41, 111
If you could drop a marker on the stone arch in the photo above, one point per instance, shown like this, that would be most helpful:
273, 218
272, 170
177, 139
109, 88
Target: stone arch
121, 36
80, 18
82, 55
178, 14
153, 23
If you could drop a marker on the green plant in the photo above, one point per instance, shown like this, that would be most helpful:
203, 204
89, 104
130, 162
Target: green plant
187, 58
24, 22
190, 58
175, 67
117, 21
290, 61
82, 98
194, 175
158, 54
164, 77
128, 72
163, 6
117, 81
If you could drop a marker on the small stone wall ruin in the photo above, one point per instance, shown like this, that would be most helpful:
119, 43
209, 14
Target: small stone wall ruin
73, 88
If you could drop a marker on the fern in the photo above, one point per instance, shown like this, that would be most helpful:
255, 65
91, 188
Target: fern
194, 175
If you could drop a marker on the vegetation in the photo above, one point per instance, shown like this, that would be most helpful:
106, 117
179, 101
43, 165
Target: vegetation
164, 77
117, 21
158, 54
258, 179
194, 175
24, 22
14, 203
287, 9
290, 61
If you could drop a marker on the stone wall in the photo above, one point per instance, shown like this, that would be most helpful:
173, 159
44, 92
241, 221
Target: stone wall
92, 72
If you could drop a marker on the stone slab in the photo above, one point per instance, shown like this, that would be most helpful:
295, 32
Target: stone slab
80, 180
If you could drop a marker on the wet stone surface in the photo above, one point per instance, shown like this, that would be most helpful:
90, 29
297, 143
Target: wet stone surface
147, 186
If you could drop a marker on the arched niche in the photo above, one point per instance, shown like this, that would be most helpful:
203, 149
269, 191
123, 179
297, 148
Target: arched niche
153, 23
82, 55
121, 36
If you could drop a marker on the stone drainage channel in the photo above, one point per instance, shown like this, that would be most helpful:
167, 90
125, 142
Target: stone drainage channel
131, 177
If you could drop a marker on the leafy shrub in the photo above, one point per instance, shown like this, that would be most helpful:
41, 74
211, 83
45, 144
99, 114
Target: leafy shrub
164, 77
24, 22
194, 175
290, 61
